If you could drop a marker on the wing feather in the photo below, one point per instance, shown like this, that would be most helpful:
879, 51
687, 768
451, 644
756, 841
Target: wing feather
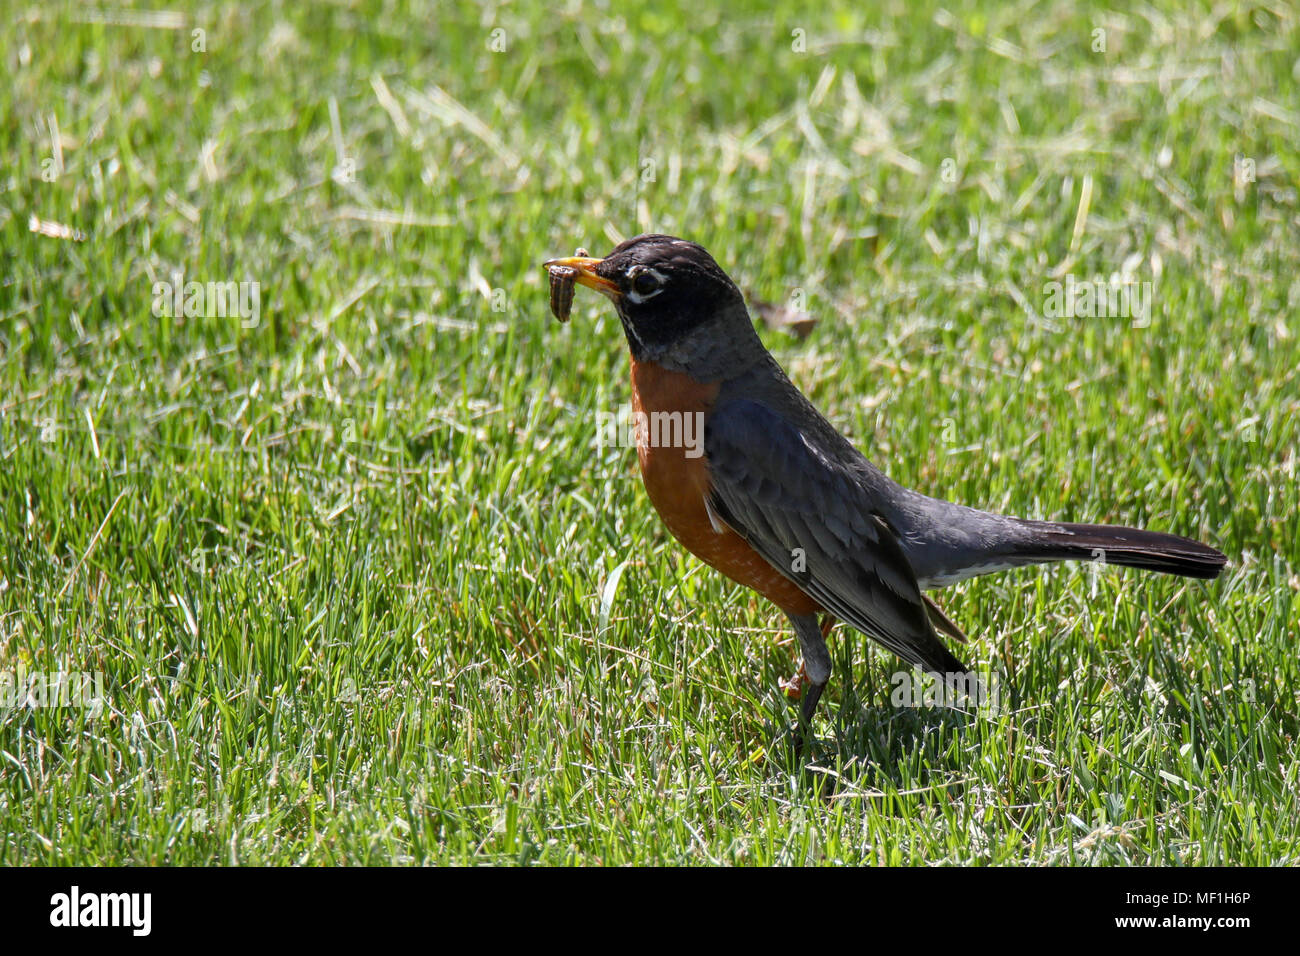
790, 500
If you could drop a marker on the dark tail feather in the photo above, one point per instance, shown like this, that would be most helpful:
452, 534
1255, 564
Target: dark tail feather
1129, 547
941, 621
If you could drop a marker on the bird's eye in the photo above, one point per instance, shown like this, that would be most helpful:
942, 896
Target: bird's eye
643, 283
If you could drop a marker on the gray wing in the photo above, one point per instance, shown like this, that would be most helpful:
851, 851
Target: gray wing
782, 493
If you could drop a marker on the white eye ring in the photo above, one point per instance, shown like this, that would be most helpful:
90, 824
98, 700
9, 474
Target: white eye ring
638, 297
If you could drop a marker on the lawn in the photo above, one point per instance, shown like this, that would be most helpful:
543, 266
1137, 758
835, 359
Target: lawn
354, 577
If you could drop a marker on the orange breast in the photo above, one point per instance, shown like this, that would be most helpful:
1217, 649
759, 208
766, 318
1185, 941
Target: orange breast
671, 409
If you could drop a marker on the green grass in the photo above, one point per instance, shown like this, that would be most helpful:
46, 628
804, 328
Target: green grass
352, 575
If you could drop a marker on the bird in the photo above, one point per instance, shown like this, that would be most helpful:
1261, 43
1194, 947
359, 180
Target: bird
778, 500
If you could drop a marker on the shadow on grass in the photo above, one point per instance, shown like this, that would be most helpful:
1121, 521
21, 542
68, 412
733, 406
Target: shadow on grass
878, 747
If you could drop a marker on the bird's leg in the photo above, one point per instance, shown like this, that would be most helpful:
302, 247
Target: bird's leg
817, 665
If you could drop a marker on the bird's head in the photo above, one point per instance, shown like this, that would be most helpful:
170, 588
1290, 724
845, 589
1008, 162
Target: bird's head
665, 290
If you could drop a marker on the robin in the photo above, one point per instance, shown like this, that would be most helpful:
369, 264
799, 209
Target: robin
779, 501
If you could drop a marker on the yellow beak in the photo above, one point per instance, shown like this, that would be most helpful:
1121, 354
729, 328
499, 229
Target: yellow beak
585, 266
